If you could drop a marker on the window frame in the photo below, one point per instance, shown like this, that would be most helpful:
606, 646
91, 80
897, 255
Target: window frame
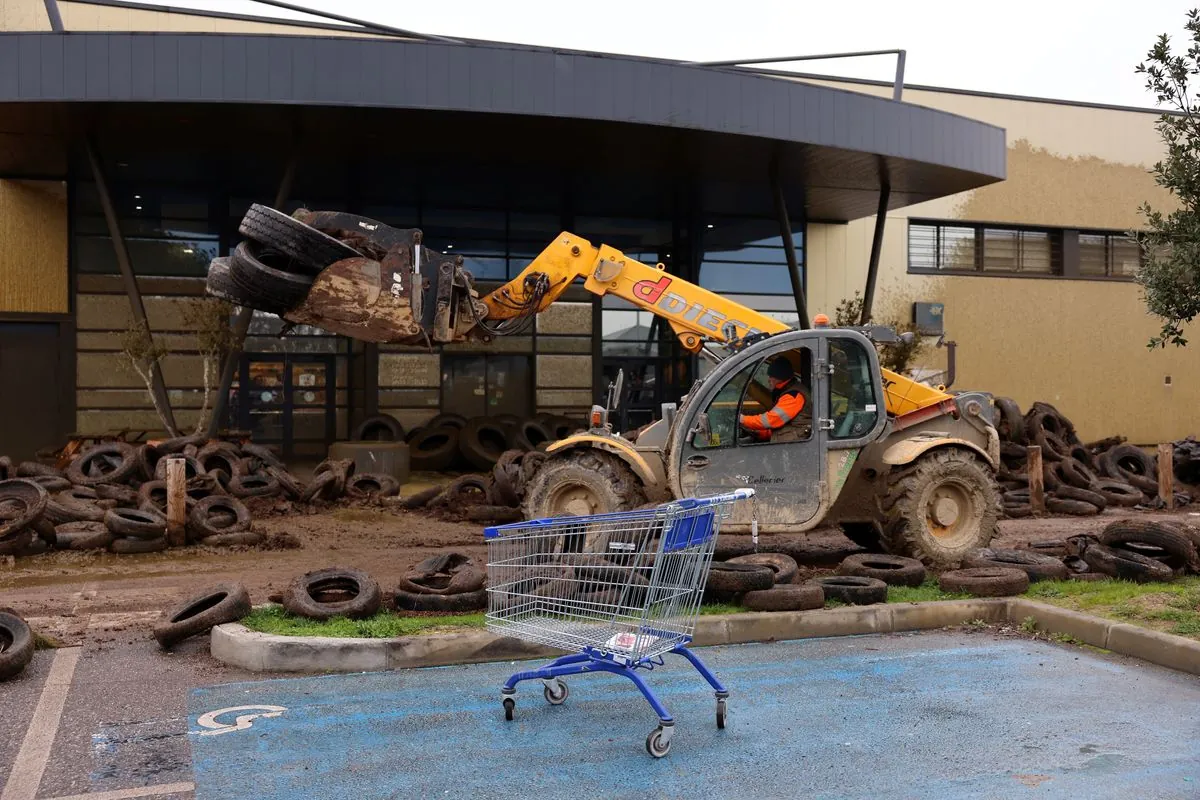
1065, 258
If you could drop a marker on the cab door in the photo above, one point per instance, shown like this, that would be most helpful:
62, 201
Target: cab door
714, 454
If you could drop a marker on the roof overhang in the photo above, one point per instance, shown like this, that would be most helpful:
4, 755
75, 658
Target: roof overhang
722, 130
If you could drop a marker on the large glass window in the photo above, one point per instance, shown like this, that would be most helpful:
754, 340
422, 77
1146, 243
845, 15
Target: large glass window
721, 414
746, 256
853, 406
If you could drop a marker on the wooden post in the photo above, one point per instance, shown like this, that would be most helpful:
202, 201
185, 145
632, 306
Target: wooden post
176, 501
1037, 489
1166, 474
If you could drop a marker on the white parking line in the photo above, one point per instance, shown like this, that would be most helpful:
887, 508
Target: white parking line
128, 794
34, 754
35, 751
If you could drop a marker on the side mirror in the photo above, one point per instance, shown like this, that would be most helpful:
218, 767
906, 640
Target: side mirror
701, 428
907, 337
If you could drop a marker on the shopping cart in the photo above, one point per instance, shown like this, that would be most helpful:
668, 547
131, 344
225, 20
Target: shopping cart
620, 590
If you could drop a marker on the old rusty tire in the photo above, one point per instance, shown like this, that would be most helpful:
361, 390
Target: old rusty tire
726, 580
244, 486
445, 573
939, 508
985, 581
1017, 511
420, 499
892, 570
191, 468
1009, 422
321, 488
785, 597
1125, 461
481, 442
1118, 493
371, 485
784, 566
136, 523
1076, 508
263, 454
289, 484
1077, 473
16, 543
203, 520
1126, 564
1096, 499
310, 249
533, 432
22, 503
433, 449
73, 536
581, 482
226, 602
224, 456
1037, 566
333, 592
1168, 537
379, 428
269, 277
441, 603
853, 590
114, 462
16, 645
220, 284
131, 546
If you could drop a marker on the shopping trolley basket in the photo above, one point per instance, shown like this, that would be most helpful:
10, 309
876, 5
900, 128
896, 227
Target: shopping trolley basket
620, 590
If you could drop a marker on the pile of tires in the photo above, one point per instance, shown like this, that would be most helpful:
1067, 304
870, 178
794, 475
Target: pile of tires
1078, 479
113, 496
452, 441
1129, 549
492, 497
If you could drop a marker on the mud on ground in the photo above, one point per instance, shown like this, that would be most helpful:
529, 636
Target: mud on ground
77, 596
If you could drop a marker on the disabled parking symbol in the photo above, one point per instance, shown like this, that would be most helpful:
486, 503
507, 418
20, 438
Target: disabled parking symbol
243, 721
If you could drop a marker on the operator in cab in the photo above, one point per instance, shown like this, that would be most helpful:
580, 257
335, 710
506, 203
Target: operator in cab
788, 412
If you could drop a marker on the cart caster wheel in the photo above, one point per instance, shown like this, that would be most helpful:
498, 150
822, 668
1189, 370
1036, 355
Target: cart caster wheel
721, 714
656, 745
556, 698
510, 705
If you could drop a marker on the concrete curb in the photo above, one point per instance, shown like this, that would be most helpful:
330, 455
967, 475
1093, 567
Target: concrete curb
239, 646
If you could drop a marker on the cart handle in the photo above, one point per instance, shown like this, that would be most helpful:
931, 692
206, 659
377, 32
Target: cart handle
688, 503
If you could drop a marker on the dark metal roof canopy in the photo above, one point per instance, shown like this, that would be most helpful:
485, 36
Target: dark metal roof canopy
722, 128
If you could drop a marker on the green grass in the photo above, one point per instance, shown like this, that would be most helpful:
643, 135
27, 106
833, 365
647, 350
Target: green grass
920, 594
1168, 607
386, 624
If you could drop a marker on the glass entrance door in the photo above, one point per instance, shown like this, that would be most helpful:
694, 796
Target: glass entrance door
287, 400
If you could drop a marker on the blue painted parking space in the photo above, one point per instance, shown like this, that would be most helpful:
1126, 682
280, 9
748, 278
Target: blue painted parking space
932, 716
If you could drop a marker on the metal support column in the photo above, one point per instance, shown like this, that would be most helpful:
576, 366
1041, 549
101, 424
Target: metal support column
241, 323
157, 386
789, 247
885, 192
56, 23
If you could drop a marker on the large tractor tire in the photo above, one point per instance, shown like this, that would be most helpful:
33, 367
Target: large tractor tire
581, 482
940, 508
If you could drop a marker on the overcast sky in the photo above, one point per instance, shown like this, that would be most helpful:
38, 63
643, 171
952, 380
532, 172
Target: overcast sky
1067, 49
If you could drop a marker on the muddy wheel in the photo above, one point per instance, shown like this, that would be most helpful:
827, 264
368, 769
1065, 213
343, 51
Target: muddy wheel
582, 482
940, 508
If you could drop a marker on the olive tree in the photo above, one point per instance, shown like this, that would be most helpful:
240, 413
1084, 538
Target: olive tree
1170, 274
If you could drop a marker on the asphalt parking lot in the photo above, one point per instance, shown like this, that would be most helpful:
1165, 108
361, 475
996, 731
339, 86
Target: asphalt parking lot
934, 715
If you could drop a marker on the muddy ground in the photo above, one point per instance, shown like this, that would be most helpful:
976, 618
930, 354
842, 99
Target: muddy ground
88, 596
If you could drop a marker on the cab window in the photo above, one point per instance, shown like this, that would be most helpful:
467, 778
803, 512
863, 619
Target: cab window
767, 419
722, 413
853, 405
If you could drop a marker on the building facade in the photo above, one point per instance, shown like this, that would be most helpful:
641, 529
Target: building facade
182, 123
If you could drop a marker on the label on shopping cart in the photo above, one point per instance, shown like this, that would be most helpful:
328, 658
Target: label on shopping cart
627, 547
627, 640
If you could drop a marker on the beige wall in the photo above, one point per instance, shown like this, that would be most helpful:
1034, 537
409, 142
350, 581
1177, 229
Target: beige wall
33, 247
30, 15
1078, 344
